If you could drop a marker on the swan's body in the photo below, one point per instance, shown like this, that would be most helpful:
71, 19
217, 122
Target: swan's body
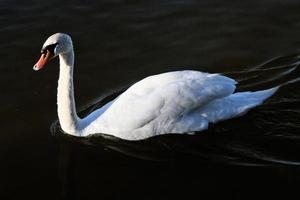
173, 102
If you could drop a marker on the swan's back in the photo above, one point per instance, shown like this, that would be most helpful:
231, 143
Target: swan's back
159, 104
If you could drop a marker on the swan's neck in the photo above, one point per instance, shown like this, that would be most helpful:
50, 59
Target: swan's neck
67, 115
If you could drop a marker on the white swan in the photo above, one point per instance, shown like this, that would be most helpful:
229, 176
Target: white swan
173, 102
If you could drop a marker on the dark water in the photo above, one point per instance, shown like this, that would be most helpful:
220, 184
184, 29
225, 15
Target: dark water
119, 42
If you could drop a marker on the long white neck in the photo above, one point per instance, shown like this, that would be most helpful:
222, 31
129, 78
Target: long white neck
67, 115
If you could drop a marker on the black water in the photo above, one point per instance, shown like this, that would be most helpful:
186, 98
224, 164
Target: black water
119, 42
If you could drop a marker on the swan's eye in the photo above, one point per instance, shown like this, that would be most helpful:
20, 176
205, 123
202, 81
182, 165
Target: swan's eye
47, 54
50, 48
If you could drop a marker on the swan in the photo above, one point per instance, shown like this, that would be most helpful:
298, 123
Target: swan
173, 102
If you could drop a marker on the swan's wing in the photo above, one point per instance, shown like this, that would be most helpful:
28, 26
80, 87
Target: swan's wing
155, 104
165, 96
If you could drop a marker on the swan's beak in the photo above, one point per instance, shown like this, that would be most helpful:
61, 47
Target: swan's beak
45, 57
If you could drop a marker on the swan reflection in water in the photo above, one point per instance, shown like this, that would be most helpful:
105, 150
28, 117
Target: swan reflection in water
266, 136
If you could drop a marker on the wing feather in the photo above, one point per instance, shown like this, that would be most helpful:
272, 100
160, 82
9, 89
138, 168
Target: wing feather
165, 97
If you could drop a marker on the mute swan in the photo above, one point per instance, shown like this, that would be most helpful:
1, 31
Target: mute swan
173, 102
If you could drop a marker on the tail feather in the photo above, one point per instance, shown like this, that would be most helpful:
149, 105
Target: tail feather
235, 105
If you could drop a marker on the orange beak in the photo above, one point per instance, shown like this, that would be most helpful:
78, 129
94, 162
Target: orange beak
45, 57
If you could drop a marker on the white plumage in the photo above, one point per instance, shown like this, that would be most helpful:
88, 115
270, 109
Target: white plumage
173, 102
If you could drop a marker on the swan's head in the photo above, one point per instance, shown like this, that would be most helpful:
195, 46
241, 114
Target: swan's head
58, 43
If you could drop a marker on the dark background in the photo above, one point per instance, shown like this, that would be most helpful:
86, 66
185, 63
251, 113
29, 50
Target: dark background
117, 43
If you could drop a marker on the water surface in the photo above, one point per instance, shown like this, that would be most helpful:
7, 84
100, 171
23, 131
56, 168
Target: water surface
119, 42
